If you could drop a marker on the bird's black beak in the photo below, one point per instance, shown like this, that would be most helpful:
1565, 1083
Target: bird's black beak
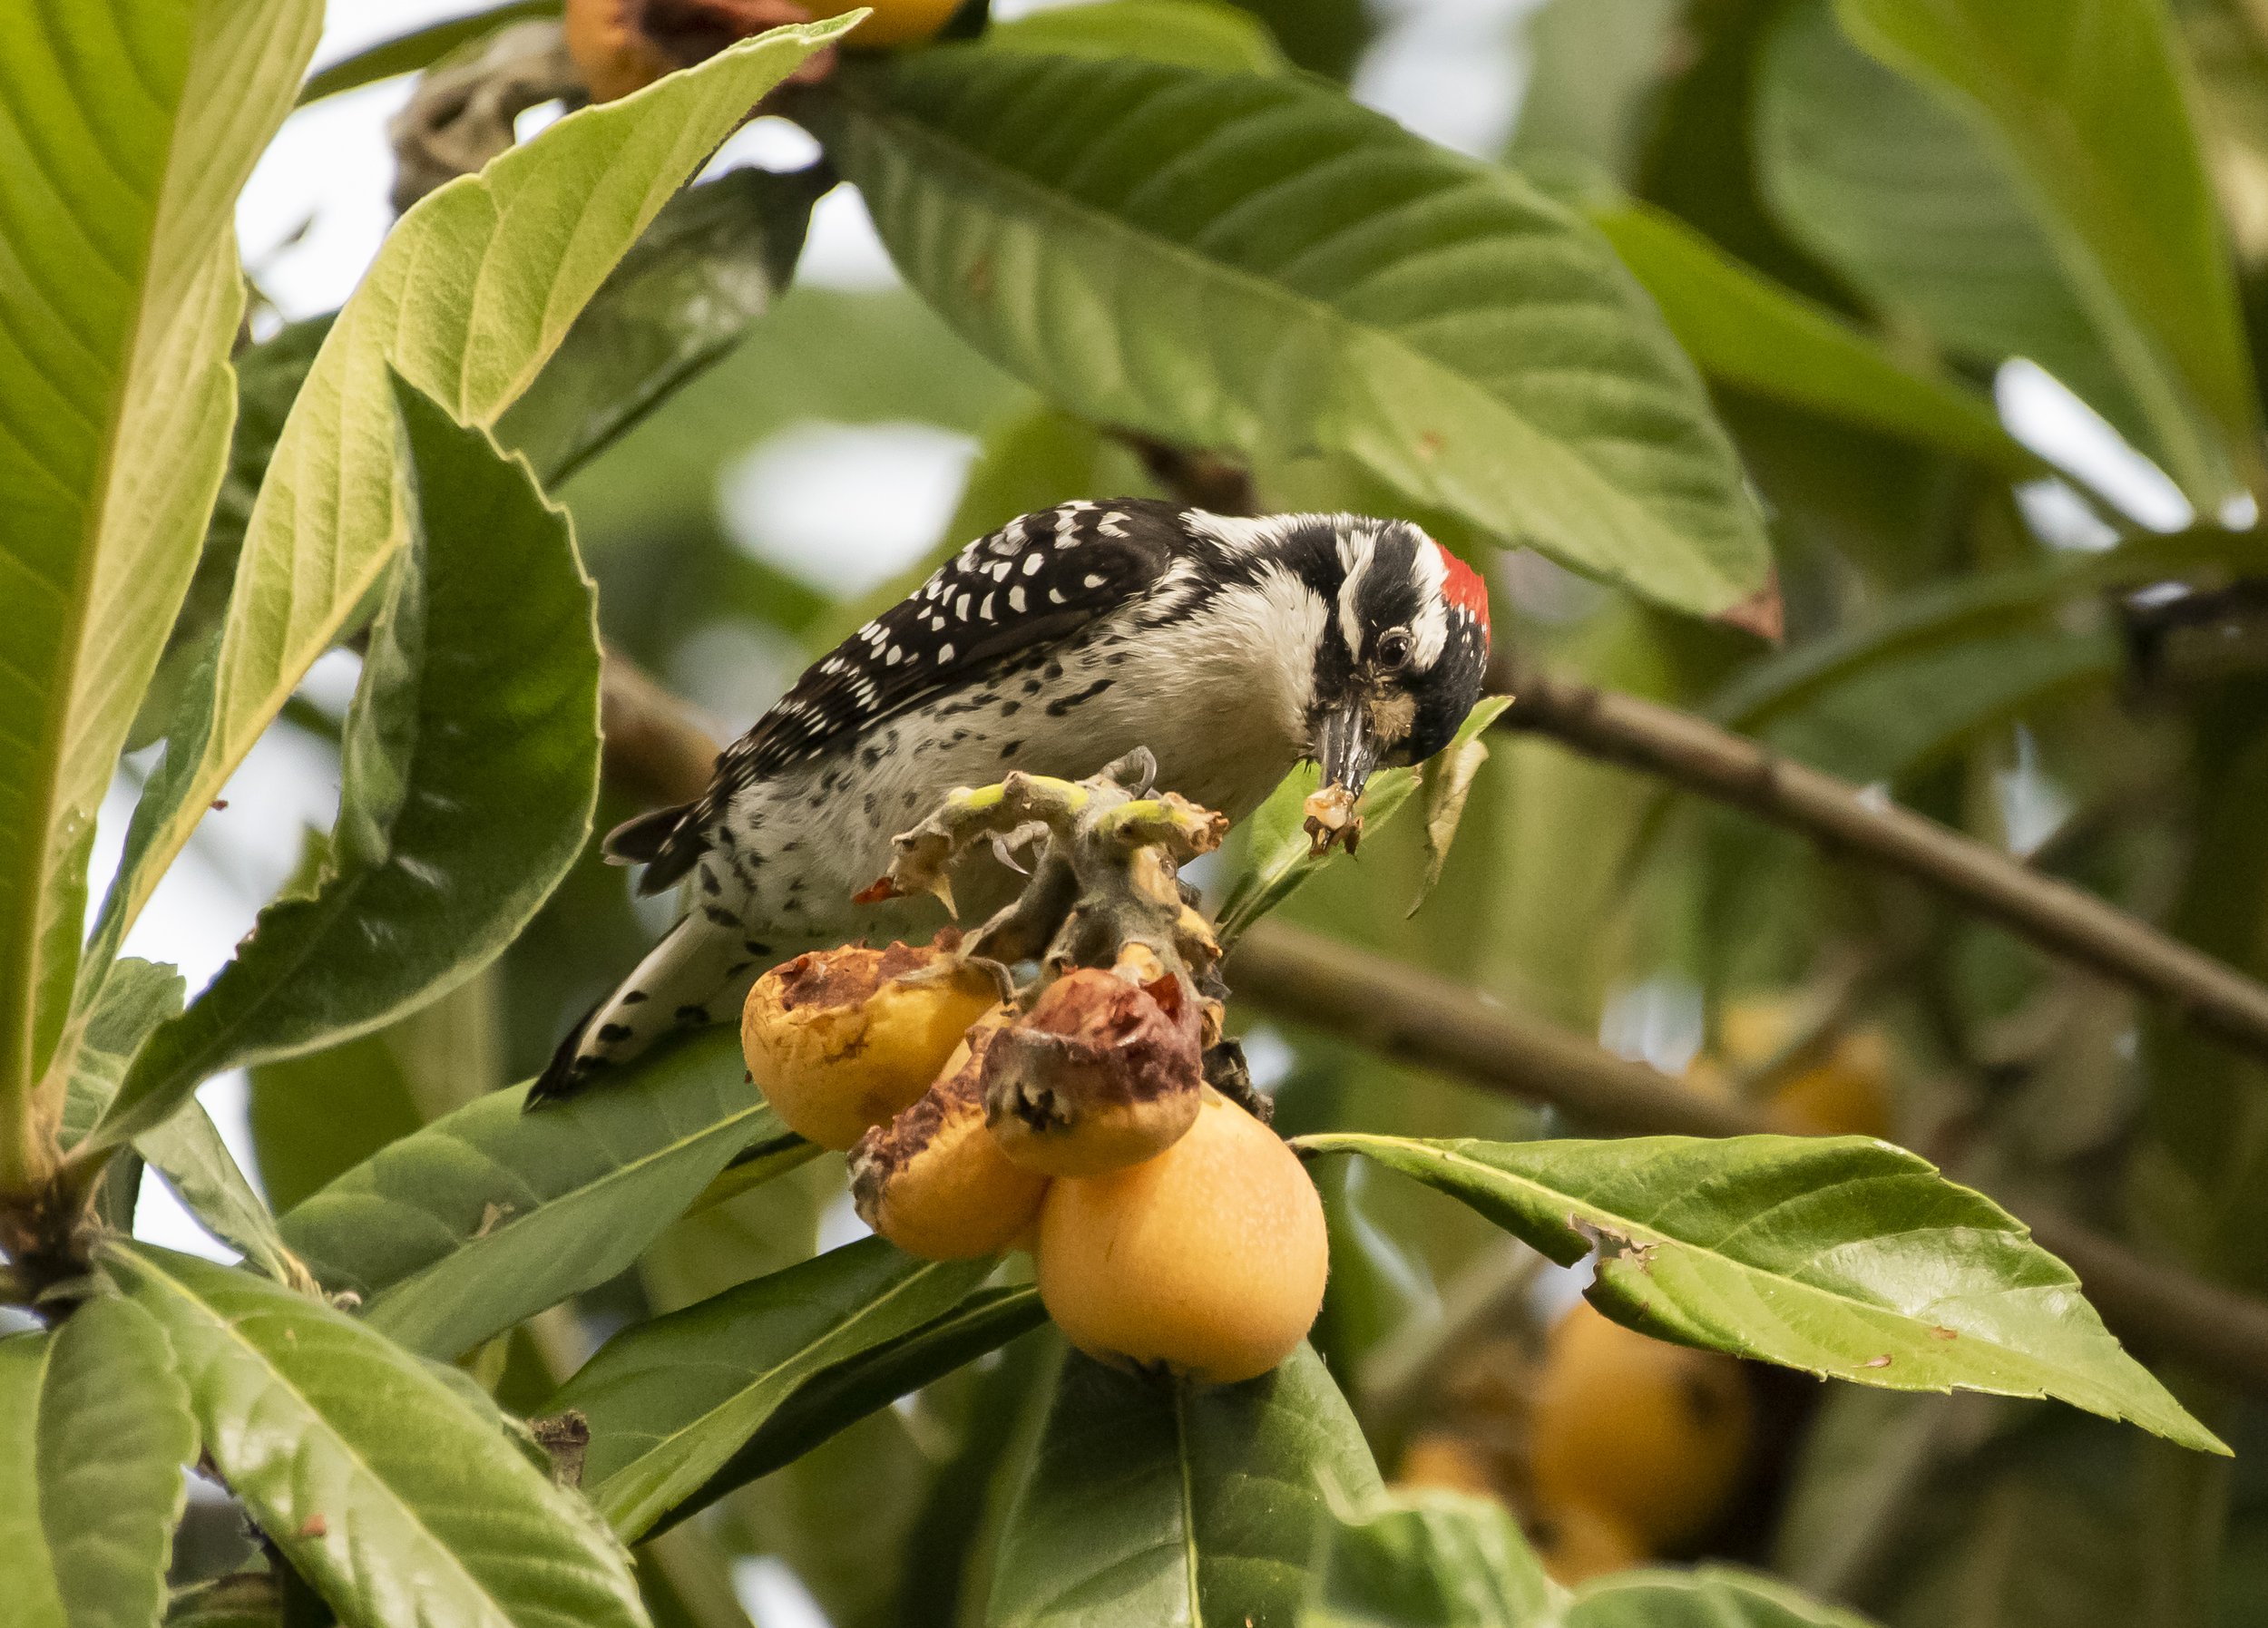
1346, 746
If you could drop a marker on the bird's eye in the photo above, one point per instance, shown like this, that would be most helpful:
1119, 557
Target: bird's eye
1393, 647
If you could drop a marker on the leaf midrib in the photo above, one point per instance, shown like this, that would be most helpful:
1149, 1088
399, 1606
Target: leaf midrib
1188, 1501
1048, 200
227, 1328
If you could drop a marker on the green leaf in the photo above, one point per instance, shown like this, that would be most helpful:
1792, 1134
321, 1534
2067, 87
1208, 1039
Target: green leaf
1911, 205
419, 48
185, 1150
2088, 97
1258, 265
491, 1214
1153, 1501
138, 996
836, 1397
189, 1155
1841, 1256
91, 1469
472, 291
126, 130
1432, 1560
1281, 858
1743, 330
1710, 1596
671, 1401
712, 264
1193, 33
383, 1483
470, 771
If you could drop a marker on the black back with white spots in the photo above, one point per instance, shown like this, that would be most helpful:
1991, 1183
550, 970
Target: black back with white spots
1036, 580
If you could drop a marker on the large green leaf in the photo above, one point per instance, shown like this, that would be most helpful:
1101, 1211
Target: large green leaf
836, 1397
384, 1484
1743, 330
1918, 211
489, 1215
1432, 1560
470, 296
1257, 264
1841, 1256
470, 769
1153, 1501
671, 1401
91, 1469
125, 131
1281, 854
1711, 1596
2088, 96
685, 293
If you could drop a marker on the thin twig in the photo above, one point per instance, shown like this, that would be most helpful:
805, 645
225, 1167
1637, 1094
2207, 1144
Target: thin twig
660, 749
2063, 920
1417, 1018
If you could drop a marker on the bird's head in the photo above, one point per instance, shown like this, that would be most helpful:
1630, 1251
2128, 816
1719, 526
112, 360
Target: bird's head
1403, 652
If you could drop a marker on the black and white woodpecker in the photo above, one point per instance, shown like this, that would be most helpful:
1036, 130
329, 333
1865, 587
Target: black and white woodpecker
1230, 647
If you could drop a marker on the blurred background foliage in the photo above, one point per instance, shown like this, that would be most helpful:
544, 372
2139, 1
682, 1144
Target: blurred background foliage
1959, 630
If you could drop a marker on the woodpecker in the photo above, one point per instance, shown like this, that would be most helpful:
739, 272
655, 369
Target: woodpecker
1231, 647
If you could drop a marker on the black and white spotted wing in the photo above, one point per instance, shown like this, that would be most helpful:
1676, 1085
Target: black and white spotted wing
1035, 581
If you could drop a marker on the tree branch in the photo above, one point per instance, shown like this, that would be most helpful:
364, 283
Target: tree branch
2054, 915
660, 750
1414, 1017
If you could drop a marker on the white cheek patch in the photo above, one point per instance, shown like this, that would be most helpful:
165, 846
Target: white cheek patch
1429, 629
1357, 551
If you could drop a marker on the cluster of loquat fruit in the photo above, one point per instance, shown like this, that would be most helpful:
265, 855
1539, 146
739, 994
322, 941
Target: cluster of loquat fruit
1170, 1227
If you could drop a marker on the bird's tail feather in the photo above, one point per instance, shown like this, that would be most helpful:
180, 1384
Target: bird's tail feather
699, 974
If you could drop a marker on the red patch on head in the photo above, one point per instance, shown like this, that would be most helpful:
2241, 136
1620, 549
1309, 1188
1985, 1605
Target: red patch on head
1461, 586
